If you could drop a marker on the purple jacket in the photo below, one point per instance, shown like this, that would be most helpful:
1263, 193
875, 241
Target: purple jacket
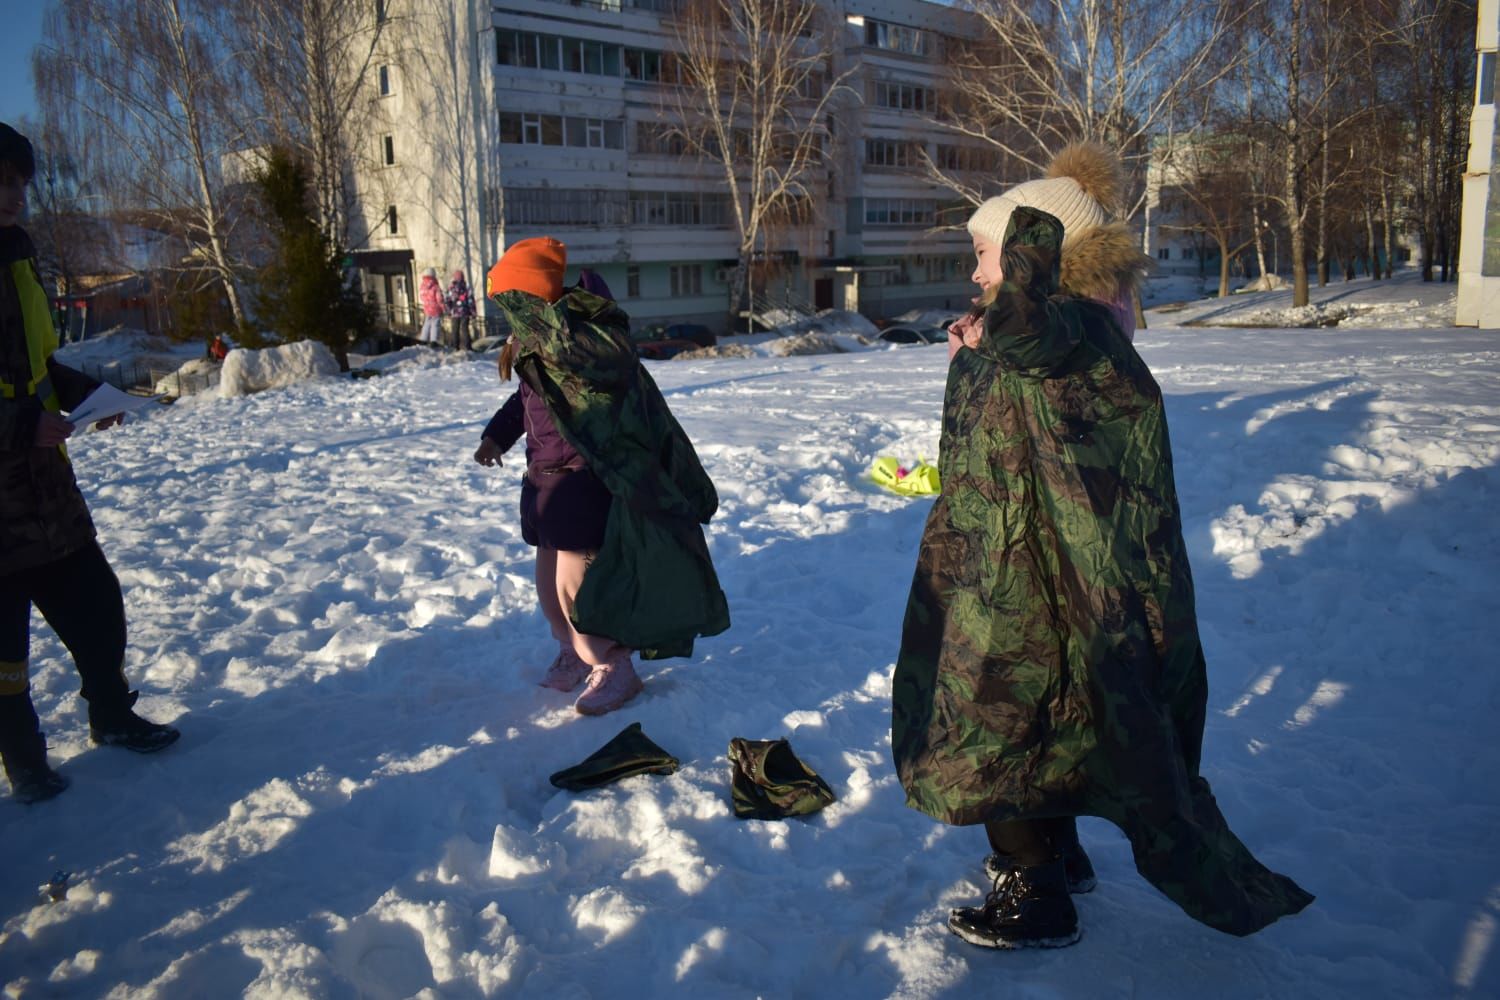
546, 450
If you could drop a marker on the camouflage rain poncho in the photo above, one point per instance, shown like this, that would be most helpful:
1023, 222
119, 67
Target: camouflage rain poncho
652, 585
1050, 662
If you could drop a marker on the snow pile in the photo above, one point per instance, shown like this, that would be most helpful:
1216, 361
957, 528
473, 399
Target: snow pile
720, 350
1265, 283
194, 376
1408, 315
812, 342
246, 371
127, 346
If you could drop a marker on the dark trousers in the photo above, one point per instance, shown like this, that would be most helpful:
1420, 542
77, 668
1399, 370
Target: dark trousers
1031, 842
461, 333
79, 596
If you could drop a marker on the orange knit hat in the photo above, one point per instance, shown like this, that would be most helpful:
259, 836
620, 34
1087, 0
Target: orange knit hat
534, 265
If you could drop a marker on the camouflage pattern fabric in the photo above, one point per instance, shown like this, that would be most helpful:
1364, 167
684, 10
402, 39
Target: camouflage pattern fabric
652, 585
43, 516
1050, 663
768, 781
631, 752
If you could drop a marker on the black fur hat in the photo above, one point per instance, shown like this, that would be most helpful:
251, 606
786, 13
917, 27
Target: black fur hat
15, 151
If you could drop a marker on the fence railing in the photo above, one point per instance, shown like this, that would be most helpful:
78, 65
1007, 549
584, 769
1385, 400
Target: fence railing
145, 379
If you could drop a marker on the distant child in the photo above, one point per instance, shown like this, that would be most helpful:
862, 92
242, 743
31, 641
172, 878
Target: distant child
613, 495
459, 302
1050, 665
49, 557
430, 295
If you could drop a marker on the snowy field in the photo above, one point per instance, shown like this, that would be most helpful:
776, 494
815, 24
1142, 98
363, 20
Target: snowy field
333, 602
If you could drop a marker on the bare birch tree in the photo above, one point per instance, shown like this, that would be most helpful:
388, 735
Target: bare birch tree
150, 78
312, 69
754, 97
1043, 73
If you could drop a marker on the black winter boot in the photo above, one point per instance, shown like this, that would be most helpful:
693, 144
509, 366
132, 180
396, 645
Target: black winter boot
31, 779
121, 727
1076, 865
1027, 908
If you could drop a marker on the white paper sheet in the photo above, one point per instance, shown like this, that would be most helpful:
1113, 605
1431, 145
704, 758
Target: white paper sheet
106, 401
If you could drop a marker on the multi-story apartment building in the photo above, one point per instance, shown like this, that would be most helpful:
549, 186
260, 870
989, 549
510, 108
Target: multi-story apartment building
1479, 239
498, 120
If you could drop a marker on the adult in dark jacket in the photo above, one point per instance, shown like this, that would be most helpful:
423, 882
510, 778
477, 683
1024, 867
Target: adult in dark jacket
614, 494
1050, 664
48, 553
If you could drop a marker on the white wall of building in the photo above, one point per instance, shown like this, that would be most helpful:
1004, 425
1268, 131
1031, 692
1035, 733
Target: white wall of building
1479, 280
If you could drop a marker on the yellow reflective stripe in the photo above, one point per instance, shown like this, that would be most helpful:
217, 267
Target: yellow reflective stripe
41, 337
13, 677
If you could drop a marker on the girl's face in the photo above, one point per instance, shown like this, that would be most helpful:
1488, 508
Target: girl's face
12, 195
987, 273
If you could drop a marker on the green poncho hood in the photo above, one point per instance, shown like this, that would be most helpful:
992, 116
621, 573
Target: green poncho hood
1050, 663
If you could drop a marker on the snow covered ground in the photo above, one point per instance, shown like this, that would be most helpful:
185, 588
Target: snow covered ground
334, 604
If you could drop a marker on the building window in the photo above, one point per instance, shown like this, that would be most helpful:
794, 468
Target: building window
678, 208
391, 225
632, 282
388, 150
965, 158
1487, 78
687, 279
564, 207
900, 211
382, 11
896, 38
1164, 253
385, 81
558, 130
891, 153
531, 50
649, 66
904, 96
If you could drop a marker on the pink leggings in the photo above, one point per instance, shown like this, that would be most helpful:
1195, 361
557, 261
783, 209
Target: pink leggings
559, 574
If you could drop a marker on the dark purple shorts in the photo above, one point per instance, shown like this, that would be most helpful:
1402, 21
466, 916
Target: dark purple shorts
564, 510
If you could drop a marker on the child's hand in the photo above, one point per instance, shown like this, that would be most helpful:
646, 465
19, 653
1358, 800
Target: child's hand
489, 454
51, 430
965, 332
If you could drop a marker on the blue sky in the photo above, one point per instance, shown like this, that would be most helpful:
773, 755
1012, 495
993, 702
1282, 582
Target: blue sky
22, 21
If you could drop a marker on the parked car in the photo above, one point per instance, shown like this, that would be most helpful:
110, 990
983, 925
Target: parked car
660, 350
661, 341
913, 335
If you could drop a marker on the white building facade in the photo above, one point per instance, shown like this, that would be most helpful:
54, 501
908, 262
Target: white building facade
498, 121
1479, 237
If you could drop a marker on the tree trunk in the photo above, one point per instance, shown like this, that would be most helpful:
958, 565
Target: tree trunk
1256, 232
1385, 222
1294, 161
1323, 210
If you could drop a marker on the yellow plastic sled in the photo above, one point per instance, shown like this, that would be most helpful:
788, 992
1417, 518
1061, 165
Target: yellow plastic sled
921, 480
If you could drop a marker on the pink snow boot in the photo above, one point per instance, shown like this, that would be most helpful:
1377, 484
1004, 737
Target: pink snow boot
610, 686
566, 672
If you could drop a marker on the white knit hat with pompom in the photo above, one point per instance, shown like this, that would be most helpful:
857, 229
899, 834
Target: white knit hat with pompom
1081, 189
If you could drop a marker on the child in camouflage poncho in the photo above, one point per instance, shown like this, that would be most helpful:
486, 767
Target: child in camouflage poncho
614, 493
1050, 665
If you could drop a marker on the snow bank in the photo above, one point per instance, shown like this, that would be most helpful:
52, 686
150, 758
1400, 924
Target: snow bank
1265, 283
247, 371
194, 376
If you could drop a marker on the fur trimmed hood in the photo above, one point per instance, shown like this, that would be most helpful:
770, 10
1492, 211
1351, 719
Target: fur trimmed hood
1103, 262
